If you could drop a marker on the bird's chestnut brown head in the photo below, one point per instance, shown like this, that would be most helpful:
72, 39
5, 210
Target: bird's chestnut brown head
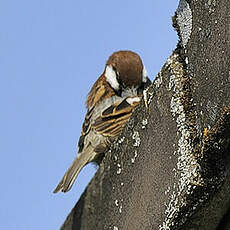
124, 69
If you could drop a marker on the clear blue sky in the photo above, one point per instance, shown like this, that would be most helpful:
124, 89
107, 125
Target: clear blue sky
51, 52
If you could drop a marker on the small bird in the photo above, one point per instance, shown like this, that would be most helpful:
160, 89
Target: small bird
110, 104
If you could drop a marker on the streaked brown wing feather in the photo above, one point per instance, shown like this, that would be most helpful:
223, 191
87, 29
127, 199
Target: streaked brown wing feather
85, 129
110, 126
86, 124
117, 109
113, 119
100, 91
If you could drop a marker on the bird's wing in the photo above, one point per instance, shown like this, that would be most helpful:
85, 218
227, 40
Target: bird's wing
113, 119
109, 123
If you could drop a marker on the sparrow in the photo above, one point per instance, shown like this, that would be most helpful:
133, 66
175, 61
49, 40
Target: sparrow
110, 103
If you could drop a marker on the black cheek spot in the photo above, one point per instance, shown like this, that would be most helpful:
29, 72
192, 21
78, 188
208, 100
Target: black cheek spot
118, 92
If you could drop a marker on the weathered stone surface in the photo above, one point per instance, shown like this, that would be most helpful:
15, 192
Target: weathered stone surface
170, 167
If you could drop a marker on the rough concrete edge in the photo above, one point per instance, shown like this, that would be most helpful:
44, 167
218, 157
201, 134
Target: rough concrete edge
188, 168
189, 147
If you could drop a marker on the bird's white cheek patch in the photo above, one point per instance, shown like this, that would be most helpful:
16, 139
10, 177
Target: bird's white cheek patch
133, 100
111, 77
144, 75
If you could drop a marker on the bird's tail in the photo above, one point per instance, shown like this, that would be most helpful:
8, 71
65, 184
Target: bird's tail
71, 174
